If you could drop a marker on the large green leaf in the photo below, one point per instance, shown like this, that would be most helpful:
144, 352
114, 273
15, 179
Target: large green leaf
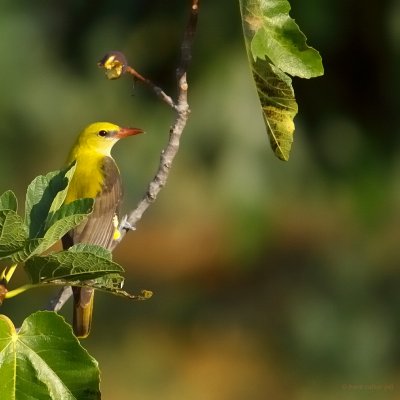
44, 197
71, 266
278, 38
44, 361
8, 201
13, 233
276, 47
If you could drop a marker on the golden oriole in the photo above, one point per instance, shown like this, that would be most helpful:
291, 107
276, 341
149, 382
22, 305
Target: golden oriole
96, 176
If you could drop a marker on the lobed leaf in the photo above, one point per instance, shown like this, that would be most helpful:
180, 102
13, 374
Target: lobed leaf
277, 37
276, 47
44, 360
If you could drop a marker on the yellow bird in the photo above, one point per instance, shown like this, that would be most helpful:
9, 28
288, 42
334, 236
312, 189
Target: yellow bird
96, 176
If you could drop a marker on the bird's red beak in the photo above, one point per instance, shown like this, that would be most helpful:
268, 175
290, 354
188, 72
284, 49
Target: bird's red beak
124, 132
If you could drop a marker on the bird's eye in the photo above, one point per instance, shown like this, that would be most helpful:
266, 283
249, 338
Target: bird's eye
102, 133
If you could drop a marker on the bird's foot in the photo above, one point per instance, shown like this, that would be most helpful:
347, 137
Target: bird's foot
125, 225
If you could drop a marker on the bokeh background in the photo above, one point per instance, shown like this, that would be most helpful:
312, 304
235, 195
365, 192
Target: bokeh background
272, 280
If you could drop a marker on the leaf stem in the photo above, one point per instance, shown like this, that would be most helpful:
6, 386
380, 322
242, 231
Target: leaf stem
10, 272
17, 291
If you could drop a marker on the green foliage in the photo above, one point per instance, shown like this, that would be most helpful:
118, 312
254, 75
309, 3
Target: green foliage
44, 360
276, 47
79, 263
47, 220
13, 234
30, 361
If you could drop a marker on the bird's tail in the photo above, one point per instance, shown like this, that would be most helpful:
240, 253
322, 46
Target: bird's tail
83, 310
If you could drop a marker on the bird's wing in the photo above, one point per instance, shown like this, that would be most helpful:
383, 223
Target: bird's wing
99, 228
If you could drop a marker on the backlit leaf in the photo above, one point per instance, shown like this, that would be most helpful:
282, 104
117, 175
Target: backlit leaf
44, 360
277, 37
276, 47
278, 104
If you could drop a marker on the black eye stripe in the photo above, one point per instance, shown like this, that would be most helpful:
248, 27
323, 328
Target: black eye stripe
102, 133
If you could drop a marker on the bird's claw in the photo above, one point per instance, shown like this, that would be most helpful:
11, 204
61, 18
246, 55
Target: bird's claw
126, 225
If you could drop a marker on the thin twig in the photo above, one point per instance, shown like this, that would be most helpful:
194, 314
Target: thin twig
156, 89
182, 114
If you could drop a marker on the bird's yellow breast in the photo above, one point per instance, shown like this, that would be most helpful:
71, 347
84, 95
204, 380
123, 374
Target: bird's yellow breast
88, 178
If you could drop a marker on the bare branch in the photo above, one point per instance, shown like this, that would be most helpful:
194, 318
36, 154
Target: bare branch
182, 114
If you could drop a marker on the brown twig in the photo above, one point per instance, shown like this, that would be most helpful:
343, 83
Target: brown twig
182, 114
156, 89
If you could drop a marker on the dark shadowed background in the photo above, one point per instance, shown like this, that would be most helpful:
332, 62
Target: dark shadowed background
272, 280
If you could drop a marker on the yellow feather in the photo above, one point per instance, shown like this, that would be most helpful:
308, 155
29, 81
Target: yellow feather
89, 152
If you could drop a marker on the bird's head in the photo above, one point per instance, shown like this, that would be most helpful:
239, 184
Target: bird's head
100, 137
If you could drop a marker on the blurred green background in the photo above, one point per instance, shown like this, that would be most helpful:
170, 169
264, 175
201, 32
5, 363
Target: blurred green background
272, 280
